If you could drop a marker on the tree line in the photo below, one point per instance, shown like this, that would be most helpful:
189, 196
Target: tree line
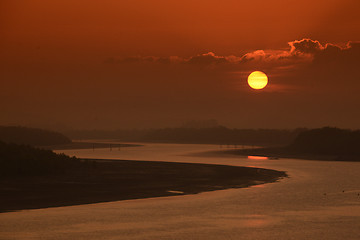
25, 160
212, 135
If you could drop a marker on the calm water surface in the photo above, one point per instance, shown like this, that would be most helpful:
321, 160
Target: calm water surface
319, 201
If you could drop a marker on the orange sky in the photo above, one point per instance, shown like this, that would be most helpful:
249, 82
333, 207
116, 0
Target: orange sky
118, 64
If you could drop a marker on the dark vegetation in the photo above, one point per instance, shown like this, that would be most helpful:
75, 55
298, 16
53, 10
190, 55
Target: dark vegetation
333, 141
208, 135
323, 143
106, 180
24, 160
31, 136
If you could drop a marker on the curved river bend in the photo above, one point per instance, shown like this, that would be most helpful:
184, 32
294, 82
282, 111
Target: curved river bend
320, 200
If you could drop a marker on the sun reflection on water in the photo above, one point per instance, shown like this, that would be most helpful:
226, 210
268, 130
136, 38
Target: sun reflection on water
258, 158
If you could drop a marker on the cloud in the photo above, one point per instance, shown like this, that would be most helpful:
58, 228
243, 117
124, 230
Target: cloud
207, 59
305, 46
299, 50
306, 62
256, 55
335, 66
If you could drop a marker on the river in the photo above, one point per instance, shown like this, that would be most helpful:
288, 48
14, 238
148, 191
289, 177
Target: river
319, 200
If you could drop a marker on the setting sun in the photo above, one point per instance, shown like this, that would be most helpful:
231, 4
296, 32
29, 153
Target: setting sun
257, 80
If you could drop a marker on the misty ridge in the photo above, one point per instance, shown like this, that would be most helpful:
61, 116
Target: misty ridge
326, 141
198, 135
31, 136
201, 132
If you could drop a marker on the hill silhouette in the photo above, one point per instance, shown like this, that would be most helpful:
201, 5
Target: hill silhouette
205, 135
31, 136
25, 160
326, 143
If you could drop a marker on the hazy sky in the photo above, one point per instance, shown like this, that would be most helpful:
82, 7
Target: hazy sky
140, 63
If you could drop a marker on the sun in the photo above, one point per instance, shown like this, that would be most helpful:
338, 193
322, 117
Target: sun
257, 80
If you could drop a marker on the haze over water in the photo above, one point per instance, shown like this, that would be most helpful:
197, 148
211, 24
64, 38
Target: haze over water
294, 208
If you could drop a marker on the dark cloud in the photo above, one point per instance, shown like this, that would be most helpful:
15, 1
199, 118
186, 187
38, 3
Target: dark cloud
336, 66
306, 55
333, 53
298, 50
207, 59
305, 46
306, 64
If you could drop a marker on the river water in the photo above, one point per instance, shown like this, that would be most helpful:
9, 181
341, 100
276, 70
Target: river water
319, 200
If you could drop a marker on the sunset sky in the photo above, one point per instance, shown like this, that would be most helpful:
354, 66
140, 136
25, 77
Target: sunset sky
113, 64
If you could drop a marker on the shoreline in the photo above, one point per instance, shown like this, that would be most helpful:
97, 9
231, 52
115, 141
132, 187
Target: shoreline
115, 180
88, 145
277, 153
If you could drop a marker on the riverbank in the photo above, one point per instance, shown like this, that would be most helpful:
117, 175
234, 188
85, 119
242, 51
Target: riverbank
278, 152
88, 145
114, 180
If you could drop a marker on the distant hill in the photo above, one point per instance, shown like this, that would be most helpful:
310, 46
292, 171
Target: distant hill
322, 143
205, 135
31, 136
222, 135
327, 141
